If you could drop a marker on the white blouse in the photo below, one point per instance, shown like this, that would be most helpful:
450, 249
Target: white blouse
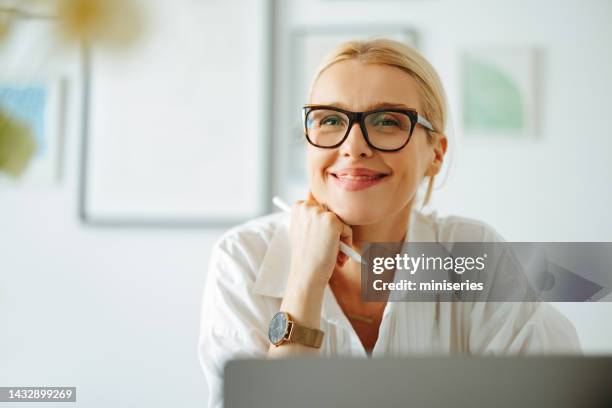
247, 276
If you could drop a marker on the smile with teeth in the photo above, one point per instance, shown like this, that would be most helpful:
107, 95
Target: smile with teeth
350, 177
354, 182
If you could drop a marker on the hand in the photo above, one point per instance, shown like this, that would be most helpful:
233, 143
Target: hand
316, 233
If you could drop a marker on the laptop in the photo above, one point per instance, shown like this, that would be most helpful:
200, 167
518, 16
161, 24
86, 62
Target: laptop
457, 382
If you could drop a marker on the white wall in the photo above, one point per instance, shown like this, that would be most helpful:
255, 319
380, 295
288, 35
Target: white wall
115, 312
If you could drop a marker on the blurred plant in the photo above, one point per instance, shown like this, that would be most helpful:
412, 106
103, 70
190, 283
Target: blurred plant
17, 145
5, 23
112, 23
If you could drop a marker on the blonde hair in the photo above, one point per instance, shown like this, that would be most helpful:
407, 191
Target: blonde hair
396, 54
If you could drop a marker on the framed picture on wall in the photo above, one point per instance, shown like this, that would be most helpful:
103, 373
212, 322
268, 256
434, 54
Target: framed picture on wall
34, 79
37, 107
175, 132
308, 47
499, 95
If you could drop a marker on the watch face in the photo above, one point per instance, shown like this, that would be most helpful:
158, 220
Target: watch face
278, 328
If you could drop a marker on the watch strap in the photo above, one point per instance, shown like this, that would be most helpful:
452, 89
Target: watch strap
304, 335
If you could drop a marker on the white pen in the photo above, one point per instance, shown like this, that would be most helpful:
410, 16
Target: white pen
343, 247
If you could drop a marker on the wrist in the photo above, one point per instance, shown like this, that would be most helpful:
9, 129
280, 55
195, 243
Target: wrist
304, 304
307, 279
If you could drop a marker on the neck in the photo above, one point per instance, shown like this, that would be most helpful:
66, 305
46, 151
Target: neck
391, 229
346, 281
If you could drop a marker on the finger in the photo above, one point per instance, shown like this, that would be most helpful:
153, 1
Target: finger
346, 235
312, 201
296, 205
311, 198
341, 260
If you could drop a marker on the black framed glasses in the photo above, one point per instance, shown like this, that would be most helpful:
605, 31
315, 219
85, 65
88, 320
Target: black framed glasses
387, 129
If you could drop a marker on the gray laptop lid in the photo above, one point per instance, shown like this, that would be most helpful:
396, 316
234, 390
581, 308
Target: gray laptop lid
458, 382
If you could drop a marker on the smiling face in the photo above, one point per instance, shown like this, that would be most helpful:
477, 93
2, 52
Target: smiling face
358, 87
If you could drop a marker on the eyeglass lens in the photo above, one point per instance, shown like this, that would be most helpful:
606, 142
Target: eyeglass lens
385, 129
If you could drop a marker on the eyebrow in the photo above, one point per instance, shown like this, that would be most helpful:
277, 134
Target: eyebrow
372, 106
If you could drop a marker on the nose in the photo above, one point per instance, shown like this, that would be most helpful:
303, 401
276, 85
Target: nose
355, 144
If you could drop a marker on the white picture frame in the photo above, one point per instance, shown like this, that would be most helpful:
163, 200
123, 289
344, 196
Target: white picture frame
168, 159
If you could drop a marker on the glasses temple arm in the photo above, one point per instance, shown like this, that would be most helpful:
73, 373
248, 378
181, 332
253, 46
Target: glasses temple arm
424, 122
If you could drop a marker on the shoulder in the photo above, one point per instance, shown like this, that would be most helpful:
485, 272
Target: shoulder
454, 228
246, 244
253, 234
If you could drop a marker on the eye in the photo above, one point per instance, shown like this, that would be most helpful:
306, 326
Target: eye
385, 121
333, 120
388, 122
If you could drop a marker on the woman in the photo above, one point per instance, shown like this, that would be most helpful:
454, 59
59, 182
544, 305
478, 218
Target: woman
374, 126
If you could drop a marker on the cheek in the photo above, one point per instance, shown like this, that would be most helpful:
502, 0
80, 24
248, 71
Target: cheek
317, 161
313, 162
406, 168
413, 162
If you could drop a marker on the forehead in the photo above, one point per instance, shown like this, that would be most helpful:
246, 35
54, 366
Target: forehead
358, 86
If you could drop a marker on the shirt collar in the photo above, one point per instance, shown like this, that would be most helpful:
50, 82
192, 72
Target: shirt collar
274, 270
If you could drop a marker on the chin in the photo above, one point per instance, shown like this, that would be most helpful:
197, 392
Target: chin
359, 214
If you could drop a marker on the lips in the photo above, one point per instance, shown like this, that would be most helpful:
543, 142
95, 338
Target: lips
355, 179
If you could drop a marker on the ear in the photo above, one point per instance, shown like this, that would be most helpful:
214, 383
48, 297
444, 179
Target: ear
439, 150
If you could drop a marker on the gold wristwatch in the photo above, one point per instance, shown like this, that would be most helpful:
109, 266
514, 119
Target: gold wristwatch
283, 329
